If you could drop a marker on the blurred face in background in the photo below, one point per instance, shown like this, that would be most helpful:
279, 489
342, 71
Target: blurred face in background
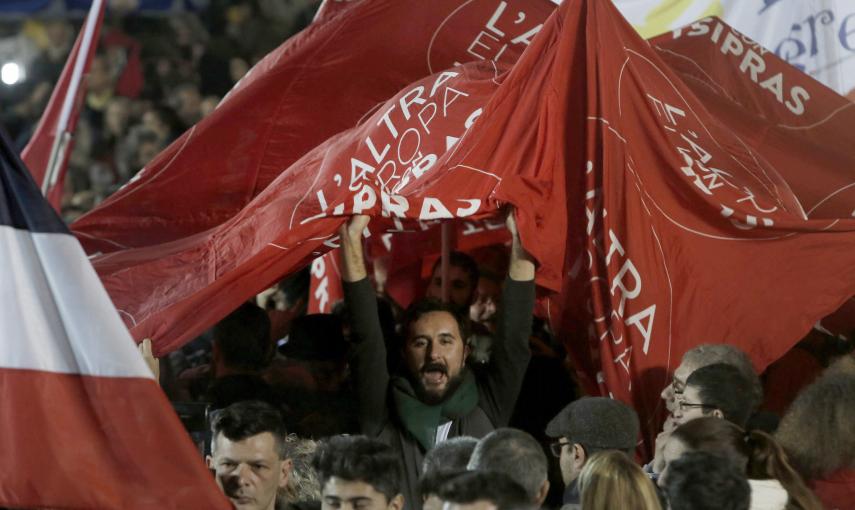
488, 298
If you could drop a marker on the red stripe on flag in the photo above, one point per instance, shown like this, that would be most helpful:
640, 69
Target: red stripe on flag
65, 444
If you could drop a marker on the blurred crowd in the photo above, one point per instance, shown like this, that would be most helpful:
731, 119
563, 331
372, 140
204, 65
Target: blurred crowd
153, 76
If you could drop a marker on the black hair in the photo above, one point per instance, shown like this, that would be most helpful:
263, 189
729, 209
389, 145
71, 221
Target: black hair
471, 486
515, 453
726, 388
428, 305
249, 418
449, 456
464, 262
706, 481
243, 338
359, 459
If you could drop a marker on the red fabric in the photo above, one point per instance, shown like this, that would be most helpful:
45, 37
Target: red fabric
611, 154
130, 81
837, 492
159, 289
49, 434
325, 288
36, 155
664, 209
786, 377
318, 83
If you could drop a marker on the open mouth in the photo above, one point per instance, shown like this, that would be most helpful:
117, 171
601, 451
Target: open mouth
434, 375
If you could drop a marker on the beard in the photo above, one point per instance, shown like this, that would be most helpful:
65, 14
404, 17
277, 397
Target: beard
432, 397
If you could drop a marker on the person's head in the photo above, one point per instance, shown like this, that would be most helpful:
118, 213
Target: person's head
242, 340
187, 102
162, 121
248, 454
117, 116
610, 479
718, 390
755, 453
316, 341
706, 481
434, 350
517, 454
817, 430
486, 302
590, 425
483, 490
708, 354
358, 472
462, 280
449, 456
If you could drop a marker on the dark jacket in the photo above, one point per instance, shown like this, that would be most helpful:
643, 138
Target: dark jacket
498, 384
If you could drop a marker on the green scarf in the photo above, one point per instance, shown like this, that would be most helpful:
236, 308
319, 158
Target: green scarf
421, 419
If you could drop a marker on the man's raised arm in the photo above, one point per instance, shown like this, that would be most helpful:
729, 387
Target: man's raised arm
369, 355
511, 352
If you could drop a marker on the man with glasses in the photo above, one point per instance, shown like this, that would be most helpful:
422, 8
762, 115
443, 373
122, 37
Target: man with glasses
695, 358
718, 390
585, 427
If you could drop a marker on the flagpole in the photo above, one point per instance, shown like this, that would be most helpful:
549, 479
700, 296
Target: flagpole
62, 136
446, 250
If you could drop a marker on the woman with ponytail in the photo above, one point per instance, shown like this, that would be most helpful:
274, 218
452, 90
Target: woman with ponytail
775, 485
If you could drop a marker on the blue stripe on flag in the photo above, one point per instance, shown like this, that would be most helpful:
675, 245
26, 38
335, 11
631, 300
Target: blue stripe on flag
22, 205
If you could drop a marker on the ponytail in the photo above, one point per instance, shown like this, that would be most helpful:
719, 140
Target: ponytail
767, 460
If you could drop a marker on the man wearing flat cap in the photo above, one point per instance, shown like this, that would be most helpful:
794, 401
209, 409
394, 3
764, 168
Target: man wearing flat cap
585, 427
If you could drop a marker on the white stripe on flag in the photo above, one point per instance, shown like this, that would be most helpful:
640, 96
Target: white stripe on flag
55, 315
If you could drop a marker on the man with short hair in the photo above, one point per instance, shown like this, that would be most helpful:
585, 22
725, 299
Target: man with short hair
358, 472
248, 454
436, 396
449, 456
517, 454
462, 281
718, 390
585, 427
483, 490
708, 354
705, 481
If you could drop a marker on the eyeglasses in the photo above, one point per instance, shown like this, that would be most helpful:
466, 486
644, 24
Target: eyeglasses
557, 447
688, 405
678, 391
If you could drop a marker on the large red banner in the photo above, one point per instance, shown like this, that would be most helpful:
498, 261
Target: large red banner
320, 82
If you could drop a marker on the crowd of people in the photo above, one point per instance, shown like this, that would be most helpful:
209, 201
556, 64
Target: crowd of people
377, 407
151, 78
461, 400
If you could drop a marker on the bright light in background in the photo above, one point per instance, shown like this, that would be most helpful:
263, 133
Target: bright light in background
10, 73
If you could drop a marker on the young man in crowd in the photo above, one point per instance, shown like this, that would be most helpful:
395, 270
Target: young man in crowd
483, 490
518, 455
718, 390
449, 456
248, 454
436, 396
585, 427
358, 473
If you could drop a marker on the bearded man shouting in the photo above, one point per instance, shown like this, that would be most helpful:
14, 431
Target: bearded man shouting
436, 396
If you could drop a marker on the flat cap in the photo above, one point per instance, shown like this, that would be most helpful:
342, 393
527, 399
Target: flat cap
599, 422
